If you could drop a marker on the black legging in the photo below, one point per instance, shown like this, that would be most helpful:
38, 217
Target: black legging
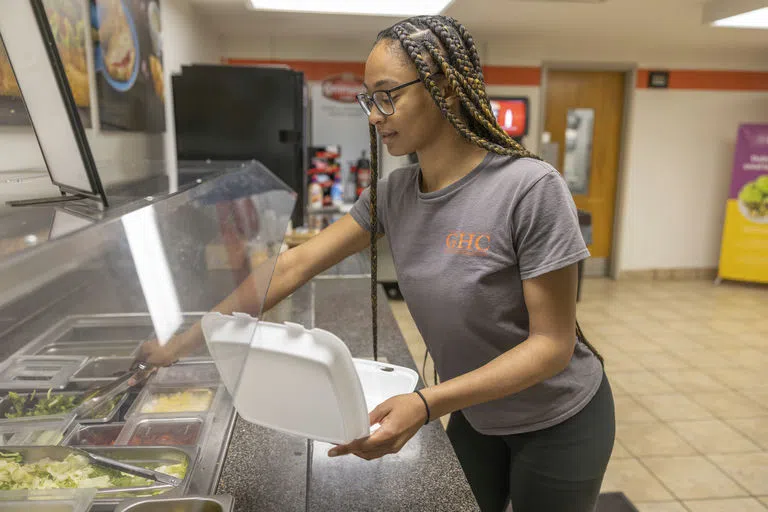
559, 468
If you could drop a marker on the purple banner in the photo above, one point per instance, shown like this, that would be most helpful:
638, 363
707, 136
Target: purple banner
751, 156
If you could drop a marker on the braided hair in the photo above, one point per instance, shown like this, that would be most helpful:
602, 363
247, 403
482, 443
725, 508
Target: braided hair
450, 47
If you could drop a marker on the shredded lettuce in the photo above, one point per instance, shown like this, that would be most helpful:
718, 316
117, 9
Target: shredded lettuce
73, 472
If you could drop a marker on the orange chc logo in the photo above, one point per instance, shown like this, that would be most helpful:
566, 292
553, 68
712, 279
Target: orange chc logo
472, 244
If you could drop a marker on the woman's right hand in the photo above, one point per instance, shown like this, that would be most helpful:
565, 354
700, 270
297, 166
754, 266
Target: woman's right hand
153, 353
157, 354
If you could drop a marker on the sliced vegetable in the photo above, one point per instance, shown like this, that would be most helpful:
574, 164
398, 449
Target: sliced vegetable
73, 472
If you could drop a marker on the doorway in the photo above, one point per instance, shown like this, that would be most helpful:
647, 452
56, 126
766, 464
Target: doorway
585, 118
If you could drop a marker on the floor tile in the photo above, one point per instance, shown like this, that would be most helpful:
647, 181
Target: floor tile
692, 381
634, 480
725, 505
641, 383
619, 451
749, 469
754, 428
729, 404
660, 506
692, 478
758, 395
629, 410
740, 378
652, 439
765, 501
662, 360
673, 407
713, 436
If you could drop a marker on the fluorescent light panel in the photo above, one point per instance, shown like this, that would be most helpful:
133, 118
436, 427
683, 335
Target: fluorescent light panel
387, 8
752, 19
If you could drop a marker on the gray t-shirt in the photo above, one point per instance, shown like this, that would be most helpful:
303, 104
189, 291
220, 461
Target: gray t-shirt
461, 254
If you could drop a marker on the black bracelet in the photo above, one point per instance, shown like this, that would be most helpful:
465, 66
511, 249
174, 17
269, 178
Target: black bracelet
426, 405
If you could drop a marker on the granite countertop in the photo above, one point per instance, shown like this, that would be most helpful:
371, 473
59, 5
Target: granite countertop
266, 470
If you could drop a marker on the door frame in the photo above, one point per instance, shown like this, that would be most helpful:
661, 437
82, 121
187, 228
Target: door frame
630, 74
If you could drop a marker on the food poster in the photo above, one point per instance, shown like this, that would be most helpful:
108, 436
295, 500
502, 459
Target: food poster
12, 111
128, 63
68, 21
744, 251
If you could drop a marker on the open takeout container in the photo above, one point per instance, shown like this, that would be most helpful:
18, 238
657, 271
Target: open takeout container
299, 381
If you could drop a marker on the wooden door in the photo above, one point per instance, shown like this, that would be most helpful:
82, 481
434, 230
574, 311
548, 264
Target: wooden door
576, 99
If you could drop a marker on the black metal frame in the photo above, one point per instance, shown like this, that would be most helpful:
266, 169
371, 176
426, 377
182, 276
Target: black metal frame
97, 189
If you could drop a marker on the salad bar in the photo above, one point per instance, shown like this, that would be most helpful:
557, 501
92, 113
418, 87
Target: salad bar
178, 423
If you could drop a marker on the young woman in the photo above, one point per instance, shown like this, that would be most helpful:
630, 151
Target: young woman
485, 240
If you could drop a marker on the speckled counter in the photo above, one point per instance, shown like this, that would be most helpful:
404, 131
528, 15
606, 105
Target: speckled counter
266, 470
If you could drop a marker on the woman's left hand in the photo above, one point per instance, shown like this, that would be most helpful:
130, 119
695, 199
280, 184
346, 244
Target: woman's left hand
400, 418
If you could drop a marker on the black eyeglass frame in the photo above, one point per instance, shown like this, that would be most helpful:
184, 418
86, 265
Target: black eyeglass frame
365, 99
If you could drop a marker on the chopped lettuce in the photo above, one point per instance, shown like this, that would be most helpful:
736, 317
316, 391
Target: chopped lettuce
23, 406
73, 472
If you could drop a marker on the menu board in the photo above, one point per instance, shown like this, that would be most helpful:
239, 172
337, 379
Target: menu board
68, 21
128, 63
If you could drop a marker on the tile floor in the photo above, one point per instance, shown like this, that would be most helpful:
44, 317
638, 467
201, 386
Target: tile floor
688, 363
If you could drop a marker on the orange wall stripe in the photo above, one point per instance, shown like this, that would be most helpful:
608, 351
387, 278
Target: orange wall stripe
512, 75
642, 78
318, 70
531, 76
711, 80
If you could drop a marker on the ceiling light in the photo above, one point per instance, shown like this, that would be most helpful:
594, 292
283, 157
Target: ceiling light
388, 8
753, 19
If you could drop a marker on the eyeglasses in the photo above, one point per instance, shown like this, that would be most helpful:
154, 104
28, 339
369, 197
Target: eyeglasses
382, 99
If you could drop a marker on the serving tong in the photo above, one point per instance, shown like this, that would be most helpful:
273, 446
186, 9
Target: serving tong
137, 374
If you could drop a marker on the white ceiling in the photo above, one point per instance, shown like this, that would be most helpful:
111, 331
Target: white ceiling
661, 23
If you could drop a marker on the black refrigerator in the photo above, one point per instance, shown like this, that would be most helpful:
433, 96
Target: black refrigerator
235, 113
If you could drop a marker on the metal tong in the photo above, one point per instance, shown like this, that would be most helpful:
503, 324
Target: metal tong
149, 474
138, 373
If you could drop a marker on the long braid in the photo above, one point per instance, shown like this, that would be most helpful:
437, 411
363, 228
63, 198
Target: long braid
374, 218
459, 85
448, 43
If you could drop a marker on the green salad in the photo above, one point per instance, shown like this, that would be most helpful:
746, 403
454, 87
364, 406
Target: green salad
754, 197
73, 472
49, 405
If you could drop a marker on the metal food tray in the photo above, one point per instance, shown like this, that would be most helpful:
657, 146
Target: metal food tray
140, 421
5, 406
38, 372
102, 370
215, 503
193, 372
92, 349
26, 433
48, 500
92, 334
107, 499
74, 437
151, 389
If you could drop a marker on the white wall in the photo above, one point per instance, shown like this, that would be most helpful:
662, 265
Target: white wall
187, 40
533, 51
296, 47
678, 173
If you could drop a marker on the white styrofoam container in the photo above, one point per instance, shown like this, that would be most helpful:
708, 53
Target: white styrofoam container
299, 381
